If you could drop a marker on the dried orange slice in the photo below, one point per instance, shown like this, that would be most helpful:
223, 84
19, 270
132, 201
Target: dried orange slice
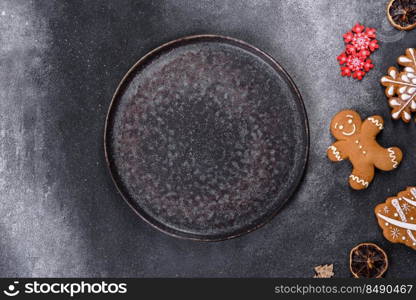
367, 260
402, 14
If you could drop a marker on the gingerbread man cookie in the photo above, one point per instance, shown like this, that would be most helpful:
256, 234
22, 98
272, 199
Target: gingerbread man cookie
356, 140
397, 217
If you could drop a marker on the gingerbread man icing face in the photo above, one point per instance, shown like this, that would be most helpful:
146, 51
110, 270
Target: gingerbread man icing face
345, 124
356, 140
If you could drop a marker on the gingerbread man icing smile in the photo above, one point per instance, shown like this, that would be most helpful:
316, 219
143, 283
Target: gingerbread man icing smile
356, 140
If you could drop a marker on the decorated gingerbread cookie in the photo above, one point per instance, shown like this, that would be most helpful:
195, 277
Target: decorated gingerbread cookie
356, 140
401, 86
397, 217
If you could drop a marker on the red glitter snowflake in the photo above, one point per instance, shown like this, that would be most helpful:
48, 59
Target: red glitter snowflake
360, 43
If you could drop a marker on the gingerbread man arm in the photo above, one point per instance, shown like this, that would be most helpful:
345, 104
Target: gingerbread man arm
388, 159
337, 151
372, 126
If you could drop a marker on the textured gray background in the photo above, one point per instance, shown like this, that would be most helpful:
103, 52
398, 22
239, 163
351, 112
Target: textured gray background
60, 62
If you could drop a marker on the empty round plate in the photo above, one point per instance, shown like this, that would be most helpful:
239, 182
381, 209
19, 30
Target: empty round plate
206, 137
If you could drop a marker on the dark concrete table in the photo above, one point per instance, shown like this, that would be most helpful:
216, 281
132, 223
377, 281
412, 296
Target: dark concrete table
60, 62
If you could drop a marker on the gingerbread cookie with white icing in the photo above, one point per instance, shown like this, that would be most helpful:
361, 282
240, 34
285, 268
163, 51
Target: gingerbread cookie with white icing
401, 86
356, 141
397, 218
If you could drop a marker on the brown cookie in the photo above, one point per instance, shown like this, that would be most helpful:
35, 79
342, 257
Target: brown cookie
401, 86
397, 217
356, 140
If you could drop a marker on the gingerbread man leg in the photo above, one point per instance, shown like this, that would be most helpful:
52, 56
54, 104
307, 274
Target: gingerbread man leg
361, 177
388, 159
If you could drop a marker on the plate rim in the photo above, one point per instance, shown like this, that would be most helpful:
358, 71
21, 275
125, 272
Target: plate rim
182, 233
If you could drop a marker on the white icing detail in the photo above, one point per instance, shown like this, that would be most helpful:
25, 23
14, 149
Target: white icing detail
412, 237
393, 157
349, 133
387, 224
359, 180
398, 223
413, 105
409, 70
413, 192
349, 121
392, 73
376, 122
364, 152
360, 146
405, 207
398, 82
409, 201
405, 78
396, 115
402, 89
390, 90
394, 102
395, 233
356, 141
411, 90
335, 152
407, 115
350, 116
403, 238
405, 96
341, 127
404, 59
396, 215
396, 205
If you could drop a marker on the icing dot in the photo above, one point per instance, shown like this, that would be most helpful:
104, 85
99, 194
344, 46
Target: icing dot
356, 141
349, 121
341, 127
387, 224
364, 152
411, 218
414, 244
403, 238
360, 146
395, 214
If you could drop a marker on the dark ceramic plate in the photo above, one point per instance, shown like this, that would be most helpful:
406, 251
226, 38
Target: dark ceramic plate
206, 137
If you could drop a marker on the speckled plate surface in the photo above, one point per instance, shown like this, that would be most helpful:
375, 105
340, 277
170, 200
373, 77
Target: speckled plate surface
206, 137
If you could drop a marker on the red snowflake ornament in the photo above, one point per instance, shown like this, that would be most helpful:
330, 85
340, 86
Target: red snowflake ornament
360, 43
355, 62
